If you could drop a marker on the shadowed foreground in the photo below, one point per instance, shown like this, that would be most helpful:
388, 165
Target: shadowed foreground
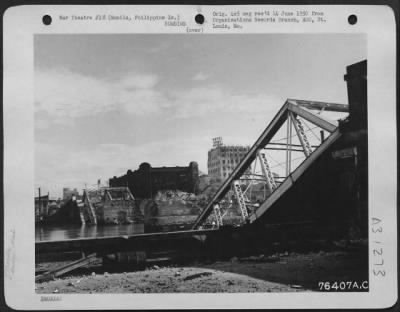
279, 273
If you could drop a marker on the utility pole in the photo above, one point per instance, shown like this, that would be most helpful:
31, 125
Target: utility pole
40, 204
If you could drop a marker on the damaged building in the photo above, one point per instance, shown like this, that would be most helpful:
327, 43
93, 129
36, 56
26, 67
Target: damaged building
146, 181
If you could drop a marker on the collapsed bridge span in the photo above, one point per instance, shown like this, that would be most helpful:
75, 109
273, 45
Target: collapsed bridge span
325, 185
317, 177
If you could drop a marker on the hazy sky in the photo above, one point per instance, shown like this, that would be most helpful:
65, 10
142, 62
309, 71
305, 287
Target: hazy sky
106, 103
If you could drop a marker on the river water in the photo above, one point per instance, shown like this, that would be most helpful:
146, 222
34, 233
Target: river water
66, 232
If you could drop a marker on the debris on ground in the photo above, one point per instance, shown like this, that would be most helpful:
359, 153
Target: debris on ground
260, 258
197, 275
263, 273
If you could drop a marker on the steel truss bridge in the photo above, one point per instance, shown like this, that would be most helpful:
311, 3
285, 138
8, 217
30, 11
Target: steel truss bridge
319, 170
295, 118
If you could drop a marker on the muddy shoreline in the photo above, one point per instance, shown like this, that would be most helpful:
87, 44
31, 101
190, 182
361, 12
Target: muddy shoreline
284, 272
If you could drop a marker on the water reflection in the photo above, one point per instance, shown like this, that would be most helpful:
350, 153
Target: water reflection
64, 232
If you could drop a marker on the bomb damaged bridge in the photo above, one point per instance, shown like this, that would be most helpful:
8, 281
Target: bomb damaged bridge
319, 192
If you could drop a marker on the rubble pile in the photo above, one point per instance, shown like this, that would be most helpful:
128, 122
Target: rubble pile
170, 210
174, 195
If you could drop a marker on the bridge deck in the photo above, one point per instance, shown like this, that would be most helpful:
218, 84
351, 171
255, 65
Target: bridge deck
122, 241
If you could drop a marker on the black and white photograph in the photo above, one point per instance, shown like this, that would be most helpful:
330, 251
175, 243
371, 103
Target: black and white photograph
179, 157
220, 163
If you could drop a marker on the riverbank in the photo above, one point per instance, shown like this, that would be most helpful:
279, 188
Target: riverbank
285, 272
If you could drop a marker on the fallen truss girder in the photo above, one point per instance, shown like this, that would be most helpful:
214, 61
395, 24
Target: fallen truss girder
292, 108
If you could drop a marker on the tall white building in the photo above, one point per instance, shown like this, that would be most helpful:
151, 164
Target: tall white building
222, 159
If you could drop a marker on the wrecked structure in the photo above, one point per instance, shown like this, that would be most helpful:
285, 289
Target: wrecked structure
326, 194
162, 194
102, 205
171, 210
324, 197
109, 205
146, 181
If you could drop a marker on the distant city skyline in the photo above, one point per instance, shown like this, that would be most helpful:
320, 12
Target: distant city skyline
106, 103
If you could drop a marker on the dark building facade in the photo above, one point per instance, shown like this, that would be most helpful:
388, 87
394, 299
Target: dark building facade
147, 181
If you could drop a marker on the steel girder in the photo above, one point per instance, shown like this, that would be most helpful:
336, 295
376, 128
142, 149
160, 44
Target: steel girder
288, 112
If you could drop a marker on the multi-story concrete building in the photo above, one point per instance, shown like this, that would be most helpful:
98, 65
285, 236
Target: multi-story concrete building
222, 159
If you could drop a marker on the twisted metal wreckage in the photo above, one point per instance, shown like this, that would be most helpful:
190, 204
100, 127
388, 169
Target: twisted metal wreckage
293, 113
327, 189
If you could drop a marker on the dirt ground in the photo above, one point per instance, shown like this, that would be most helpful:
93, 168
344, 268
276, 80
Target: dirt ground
278, 273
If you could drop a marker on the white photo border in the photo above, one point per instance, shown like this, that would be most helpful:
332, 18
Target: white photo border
22, 23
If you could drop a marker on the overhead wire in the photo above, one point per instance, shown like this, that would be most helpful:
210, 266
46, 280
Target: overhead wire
318, 138
277, 162
294, 135
280, 164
